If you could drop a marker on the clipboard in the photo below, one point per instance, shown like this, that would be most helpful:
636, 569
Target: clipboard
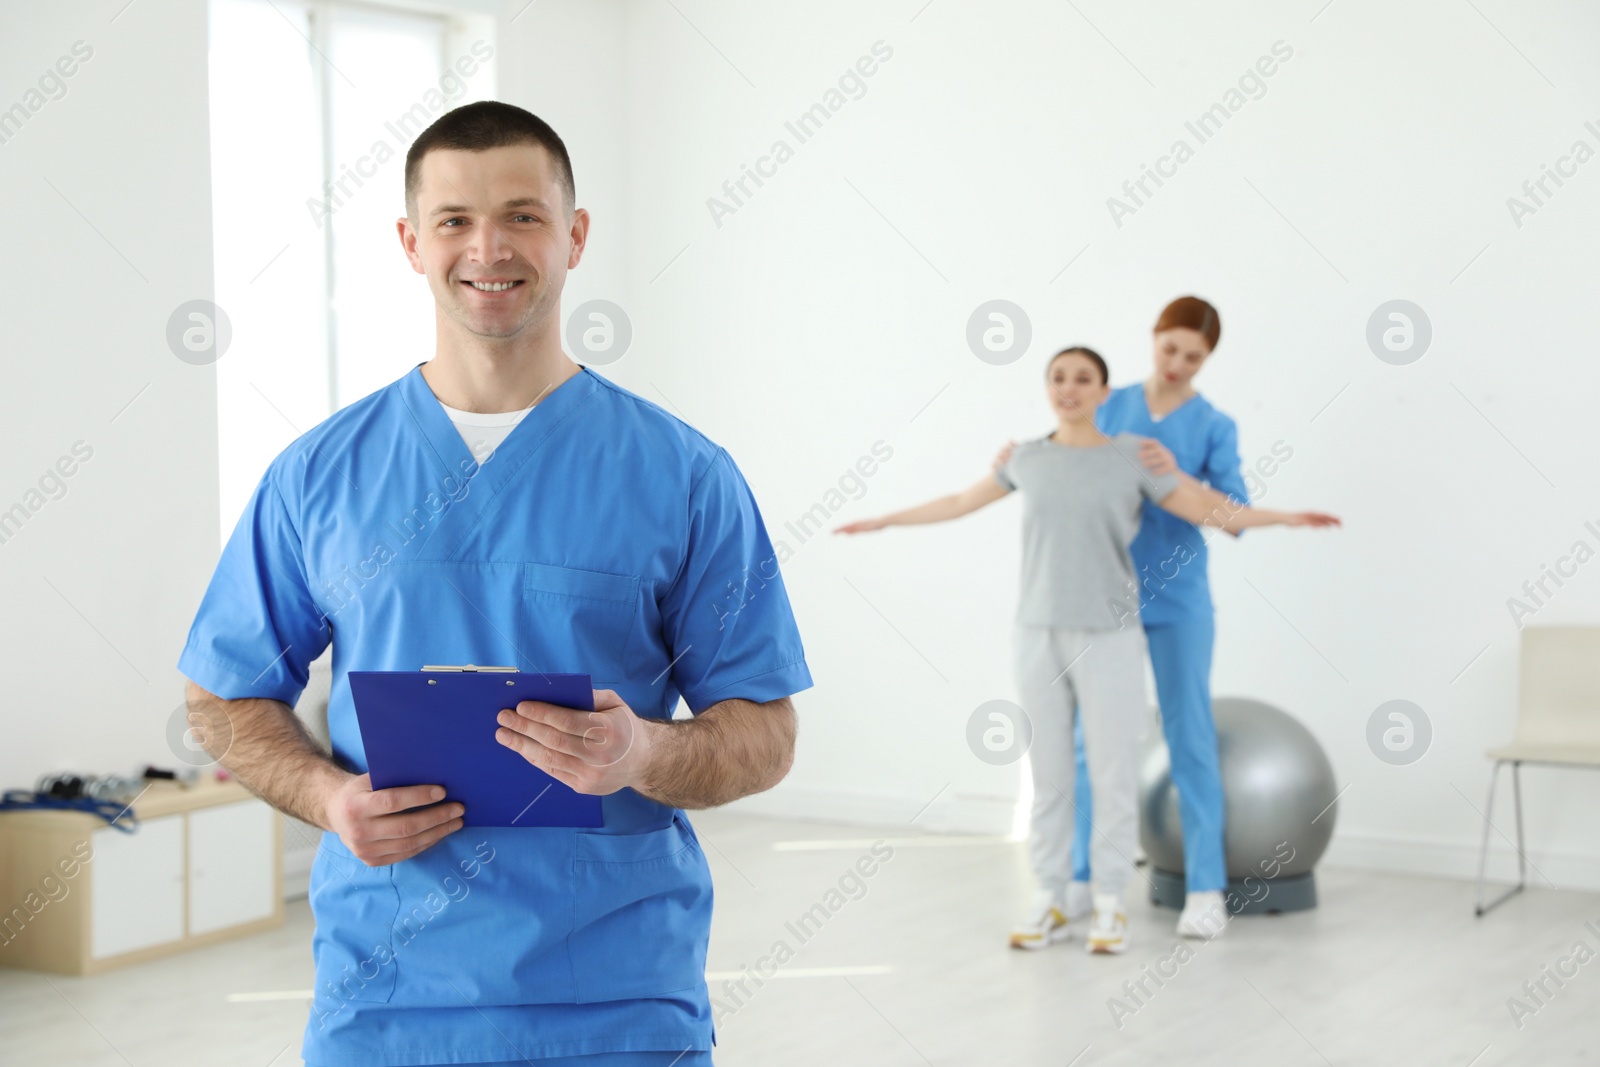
437, 726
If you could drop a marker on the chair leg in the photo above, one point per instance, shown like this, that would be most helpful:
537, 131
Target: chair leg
1483, 854
1516, 800
1483, 850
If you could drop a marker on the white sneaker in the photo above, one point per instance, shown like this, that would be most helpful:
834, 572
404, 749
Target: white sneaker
1080, 900
1108, 931
1045, 925
1205, 915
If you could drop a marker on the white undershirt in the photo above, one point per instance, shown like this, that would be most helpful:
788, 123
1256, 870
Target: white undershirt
482, 431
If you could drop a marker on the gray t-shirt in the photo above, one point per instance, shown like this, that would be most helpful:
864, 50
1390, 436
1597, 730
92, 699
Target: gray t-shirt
1081, 509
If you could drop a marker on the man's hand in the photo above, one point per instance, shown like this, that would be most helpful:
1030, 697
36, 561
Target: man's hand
596, 752
1156, 457
377, 826
267, 748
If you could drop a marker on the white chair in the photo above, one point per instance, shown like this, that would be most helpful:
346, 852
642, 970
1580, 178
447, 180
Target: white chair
1558, 723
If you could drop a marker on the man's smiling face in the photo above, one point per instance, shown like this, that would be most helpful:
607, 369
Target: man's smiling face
494, 235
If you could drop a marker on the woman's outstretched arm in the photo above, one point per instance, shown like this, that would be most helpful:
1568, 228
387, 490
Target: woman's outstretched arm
984, 491
1203, 505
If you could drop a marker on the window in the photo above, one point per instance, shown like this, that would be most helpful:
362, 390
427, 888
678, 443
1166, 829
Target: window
313, 107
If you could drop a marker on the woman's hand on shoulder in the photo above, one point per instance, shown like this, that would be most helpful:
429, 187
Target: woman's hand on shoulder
1157, 457
1003, 456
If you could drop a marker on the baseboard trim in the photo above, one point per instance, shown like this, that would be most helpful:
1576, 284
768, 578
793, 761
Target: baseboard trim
956, 813
1562, 869
948, 812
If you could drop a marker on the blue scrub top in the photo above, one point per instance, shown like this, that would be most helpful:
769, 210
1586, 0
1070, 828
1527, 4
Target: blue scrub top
604, 536
1169, 553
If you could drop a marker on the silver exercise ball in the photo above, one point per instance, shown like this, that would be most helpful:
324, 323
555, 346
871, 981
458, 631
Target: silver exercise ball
1275, 781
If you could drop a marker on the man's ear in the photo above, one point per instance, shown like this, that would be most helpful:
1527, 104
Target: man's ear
408, 243
579, 233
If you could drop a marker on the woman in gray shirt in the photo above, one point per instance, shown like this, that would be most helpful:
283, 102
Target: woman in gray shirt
1077, 638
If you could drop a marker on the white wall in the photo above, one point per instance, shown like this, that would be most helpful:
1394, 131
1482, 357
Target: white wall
562, 61
829, 313
108, 232
829, 309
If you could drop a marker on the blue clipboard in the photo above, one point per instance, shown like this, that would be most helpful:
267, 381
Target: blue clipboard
437, 726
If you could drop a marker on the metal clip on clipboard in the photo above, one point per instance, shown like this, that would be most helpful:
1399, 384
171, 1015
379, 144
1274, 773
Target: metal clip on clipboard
465, 667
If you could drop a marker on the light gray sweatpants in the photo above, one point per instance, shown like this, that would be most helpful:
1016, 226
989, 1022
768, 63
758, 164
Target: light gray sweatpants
1102, 673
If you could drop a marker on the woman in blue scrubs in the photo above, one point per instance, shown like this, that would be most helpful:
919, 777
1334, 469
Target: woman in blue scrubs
1176, 609
596, 534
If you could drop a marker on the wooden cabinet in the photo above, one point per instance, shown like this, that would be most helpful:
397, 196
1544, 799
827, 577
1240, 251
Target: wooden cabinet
232, 876
79, 896
139, 878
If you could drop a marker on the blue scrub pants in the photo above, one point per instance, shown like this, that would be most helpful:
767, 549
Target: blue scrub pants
1180, 658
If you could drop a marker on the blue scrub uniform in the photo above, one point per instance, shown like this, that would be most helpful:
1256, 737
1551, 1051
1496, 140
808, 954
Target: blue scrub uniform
604, 536
1169, 558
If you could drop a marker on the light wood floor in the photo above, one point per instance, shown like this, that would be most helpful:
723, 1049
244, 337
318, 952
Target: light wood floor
915, 971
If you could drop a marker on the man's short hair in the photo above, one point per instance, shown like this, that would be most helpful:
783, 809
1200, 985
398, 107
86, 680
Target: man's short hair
478, 127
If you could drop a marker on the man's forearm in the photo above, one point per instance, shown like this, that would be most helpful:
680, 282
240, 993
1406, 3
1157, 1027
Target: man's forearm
730, 750
267, 748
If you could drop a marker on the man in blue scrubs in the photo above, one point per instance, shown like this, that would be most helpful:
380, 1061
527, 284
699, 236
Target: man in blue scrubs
598, 534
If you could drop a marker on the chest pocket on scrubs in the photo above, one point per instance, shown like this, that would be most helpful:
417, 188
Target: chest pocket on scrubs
582, 620
641, 914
